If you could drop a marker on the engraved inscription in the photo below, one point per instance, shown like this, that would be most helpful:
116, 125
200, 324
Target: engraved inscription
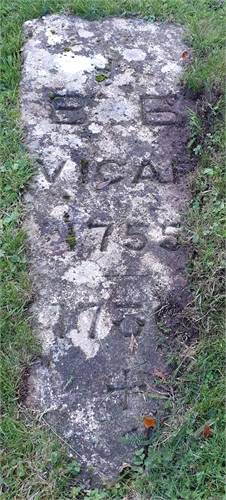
92, 330
138, 239
146, 171
84, 169
67, 109
159, 110
108, 172
131, 325
105, 238
130, 322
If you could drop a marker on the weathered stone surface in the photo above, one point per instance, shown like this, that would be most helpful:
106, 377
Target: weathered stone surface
103, 115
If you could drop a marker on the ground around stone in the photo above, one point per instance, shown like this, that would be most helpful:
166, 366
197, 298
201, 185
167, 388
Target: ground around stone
106, 120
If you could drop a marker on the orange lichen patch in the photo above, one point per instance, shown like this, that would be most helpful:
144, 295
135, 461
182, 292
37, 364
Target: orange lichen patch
149, 422
207, 431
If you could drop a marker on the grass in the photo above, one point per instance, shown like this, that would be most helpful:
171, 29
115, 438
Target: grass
181, 463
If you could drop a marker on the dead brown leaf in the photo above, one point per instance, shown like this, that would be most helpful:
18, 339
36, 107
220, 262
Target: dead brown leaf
207, 432
159, 374
149, 422
185, 55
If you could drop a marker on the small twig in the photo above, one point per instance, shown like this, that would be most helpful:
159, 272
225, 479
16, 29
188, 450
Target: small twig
202, 317
34, 495
158, 310
158, 392
172, 392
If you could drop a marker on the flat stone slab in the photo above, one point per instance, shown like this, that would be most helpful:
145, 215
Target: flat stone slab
104, 117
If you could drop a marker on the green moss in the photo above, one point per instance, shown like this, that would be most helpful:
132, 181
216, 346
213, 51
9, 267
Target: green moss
100, 78
52, 31
84, 162
66, 49
53, 96
71, 240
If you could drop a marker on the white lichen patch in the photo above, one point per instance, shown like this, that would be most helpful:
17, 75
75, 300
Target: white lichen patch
92, 327
95, 128
122, 110
59, 211
159, 273
85, 417
169, 68
88, 273
72, 64
134, 55
85, 33
69, 172
84, 337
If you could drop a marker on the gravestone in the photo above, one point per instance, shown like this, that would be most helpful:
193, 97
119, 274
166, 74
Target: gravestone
105, 119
